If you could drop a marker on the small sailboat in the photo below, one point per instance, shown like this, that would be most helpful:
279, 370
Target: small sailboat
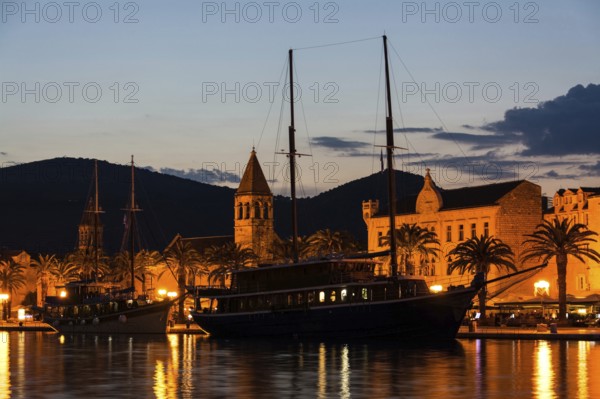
95, 306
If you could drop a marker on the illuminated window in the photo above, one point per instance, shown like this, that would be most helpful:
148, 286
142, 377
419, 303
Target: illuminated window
311, 297
322, 296
344, 295
364, 294
332, 296
300, 298
461, 232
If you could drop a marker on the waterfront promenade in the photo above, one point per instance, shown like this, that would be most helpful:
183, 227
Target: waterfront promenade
562, 333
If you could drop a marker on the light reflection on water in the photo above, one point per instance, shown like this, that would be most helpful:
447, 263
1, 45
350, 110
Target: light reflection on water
189, 366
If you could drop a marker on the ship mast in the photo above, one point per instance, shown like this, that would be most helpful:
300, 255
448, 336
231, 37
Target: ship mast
389, 134
131, 218
96, 220
292, 155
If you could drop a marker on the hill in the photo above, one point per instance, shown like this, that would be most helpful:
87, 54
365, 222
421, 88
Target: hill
42, 204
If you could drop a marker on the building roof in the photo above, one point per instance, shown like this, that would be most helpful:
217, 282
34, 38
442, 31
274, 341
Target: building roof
465, 197
253, 181
200, 244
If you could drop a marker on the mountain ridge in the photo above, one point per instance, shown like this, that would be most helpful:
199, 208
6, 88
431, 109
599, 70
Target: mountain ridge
43, 202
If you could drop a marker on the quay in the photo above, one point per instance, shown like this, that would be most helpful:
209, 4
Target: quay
540, 332
191, 328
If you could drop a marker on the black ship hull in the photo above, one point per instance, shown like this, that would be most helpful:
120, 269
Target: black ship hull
431, 317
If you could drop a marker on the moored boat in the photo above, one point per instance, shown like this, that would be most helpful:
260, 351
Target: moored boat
97, 306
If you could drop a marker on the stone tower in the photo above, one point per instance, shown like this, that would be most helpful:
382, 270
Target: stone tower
253, 203
90, 229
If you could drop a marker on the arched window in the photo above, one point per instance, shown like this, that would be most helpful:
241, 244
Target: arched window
247, 210
240, 211
256, 210
266, 211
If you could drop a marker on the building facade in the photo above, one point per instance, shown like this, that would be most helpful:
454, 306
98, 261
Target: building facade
580, 205
507, 211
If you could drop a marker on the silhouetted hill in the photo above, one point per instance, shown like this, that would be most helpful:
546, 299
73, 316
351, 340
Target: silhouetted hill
42, 204
341, 208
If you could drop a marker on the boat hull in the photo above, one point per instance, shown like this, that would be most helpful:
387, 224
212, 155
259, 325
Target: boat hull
430, 317
148, 319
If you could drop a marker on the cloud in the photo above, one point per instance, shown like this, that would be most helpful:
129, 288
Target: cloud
567, 125
593, 169
409, 130
479, 141
209, 176
337, 144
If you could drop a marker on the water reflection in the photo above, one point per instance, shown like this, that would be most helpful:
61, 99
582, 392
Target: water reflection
4, 365
543, 374
189, 366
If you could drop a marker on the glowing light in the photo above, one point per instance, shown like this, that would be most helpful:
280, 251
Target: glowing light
63, 294
541, 284
171, 294
4, 297
436, 289
582, 311
21, 314
162, 292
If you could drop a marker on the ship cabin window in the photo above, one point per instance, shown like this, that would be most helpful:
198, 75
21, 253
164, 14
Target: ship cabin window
332, 296
344, 295
473, 230
300, 298
311, 297
486, 229
448, 233
321, 296
364, 294
289, 300
461, 232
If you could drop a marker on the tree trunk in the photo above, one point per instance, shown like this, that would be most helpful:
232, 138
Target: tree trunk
561, 269
482, 296
181, 307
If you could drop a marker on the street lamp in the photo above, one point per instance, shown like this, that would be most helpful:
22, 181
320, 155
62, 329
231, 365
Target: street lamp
541, 289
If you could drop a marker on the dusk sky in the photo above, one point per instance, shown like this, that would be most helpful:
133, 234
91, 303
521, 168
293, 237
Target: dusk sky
189, 86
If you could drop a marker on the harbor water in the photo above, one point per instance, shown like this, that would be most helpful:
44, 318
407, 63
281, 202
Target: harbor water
50, 365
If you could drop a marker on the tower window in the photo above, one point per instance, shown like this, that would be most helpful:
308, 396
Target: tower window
256, 210
266, 211
240, 211
246, 211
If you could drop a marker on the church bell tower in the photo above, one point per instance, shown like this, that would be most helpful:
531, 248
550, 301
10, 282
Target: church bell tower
253, 210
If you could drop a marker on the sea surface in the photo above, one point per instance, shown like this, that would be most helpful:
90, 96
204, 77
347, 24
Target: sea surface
51, 365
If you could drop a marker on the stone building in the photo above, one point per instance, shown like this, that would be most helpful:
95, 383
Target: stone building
253, 220
580, 205
507, 210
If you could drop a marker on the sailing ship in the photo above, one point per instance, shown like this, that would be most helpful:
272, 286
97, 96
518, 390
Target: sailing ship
95, 306
335, 298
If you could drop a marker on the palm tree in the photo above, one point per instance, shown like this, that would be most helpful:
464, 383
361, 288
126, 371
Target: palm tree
86, 265
477, 255
144, 263
64, 271
282, 250
12, 277
44, 266
412, 240
559, 238
327, 242
181, 258
227, 258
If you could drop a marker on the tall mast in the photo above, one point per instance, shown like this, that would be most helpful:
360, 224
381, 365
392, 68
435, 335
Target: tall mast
132, 209
292, 155
389, 130
96, 221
